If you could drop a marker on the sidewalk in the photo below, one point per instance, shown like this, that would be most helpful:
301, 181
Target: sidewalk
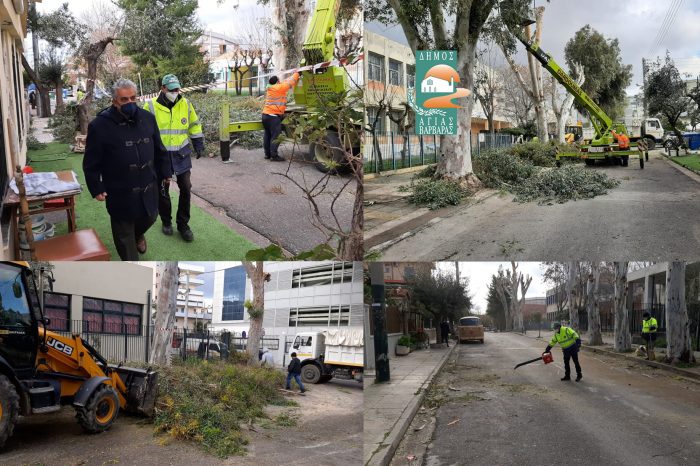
390, 407
389, 215
607, 348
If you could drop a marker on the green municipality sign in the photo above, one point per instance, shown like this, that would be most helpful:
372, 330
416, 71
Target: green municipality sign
437, 79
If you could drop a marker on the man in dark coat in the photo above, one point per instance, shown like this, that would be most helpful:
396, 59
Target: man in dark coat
125, 165
445, 332
294, 372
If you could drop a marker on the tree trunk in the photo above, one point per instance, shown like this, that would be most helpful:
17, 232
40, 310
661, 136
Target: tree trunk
455, 150
43, 100
536, 79
59, 95
165, 316
573, 308
353, 245
678, 343
623, 339
257, 277
593, 306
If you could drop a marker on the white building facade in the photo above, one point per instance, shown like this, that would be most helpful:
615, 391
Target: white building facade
300, 296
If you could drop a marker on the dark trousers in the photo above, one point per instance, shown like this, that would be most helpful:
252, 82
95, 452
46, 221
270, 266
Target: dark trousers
273, 128
571, 353
165, 208
296, 377
446, 338
126, 232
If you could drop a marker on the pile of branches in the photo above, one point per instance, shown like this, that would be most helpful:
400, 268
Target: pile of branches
208, 402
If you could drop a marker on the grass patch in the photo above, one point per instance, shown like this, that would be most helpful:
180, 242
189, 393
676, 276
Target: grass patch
213, 240
288, 419
688, 161
207, 402
435, 194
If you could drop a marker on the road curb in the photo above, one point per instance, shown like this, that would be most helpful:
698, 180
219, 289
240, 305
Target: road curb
432, 217
659, 365
687, 171
385, 451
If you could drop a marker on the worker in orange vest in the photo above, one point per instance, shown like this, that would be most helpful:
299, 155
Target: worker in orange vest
273, 113
623, 141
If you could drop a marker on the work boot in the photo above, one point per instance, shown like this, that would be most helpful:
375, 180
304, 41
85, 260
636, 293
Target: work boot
141, 245
187, 234
267, 156
277, 158
579, 377
566, 377
167, 230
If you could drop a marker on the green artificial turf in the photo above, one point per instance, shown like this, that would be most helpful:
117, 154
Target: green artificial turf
213, 240
689, 161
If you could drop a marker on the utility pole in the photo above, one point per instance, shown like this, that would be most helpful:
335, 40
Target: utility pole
381, 339
457, 270
187, 296
644, 87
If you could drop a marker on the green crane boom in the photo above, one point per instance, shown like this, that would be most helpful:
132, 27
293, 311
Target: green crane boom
602, 123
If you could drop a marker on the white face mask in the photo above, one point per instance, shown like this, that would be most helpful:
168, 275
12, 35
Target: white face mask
171, 96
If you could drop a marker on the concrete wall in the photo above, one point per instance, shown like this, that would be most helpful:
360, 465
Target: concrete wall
118, 281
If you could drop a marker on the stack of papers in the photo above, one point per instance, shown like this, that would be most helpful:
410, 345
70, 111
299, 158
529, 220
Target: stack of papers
38, 184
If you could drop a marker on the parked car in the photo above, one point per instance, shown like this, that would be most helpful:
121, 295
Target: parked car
670, 140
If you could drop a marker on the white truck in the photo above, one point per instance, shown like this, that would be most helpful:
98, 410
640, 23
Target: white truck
647, 128
333, 353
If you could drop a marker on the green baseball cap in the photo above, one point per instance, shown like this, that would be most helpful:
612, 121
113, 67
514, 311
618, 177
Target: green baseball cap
171, 82
556, 325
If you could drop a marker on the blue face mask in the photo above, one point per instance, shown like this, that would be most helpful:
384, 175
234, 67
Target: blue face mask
129, 109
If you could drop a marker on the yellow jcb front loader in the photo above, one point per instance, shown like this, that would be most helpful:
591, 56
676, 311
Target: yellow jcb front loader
41, 371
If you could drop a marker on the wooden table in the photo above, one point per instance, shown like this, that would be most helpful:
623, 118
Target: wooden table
68, 197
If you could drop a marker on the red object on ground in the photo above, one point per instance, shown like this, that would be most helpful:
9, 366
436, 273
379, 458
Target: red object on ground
547, 358
27, 169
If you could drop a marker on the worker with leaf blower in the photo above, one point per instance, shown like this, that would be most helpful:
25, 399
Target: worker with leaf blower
570, 343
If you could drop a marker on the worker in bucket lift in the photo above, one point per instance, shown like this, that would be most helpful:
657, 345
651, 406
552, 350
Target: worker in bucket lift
623, 141
273, 113
570, 343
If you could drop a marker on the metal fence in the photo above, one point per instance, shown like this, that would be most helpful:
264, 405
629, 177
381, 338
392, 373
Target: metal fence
389, 150
123, 342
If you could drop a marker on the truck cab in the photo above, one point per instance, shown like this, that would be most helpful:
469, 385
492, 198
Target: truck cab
325, 355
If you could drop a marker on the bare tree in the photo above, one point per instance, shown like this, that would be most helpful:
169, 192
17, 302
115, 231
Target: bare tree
517, 105
513, 287
593, 307
570, 284
678, 342
256, 308
487, 83
165, 317
534, 88
623, 338
563, 110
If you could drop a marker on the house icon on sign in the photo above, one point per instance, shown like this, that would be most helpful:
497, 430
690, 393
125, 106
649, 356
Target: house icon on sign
433, 85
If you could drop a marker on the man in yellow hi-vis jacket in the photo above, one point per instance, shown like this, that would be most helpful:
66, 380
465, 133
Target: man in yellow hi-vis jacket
180, 131
570, 342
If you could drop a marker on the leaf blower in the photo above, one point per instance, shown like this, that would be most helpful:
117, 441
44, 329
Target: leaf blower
546, 358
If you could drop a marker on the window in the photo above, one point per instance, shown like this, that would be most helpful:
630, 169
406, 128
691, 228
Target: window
327, 274
320, 316
105, 316
14, 309
372, 116
410, 76
234, 294
57, 309
409, 273
376, 67
395, 72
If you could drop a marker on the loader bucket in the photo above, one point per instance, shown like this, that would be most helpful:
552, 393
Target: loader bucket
141, 389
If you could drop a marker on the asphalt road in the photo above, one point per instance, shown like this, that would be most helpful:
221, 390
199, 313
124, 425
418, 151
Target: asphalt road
482, 412
653, 215
253, 194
